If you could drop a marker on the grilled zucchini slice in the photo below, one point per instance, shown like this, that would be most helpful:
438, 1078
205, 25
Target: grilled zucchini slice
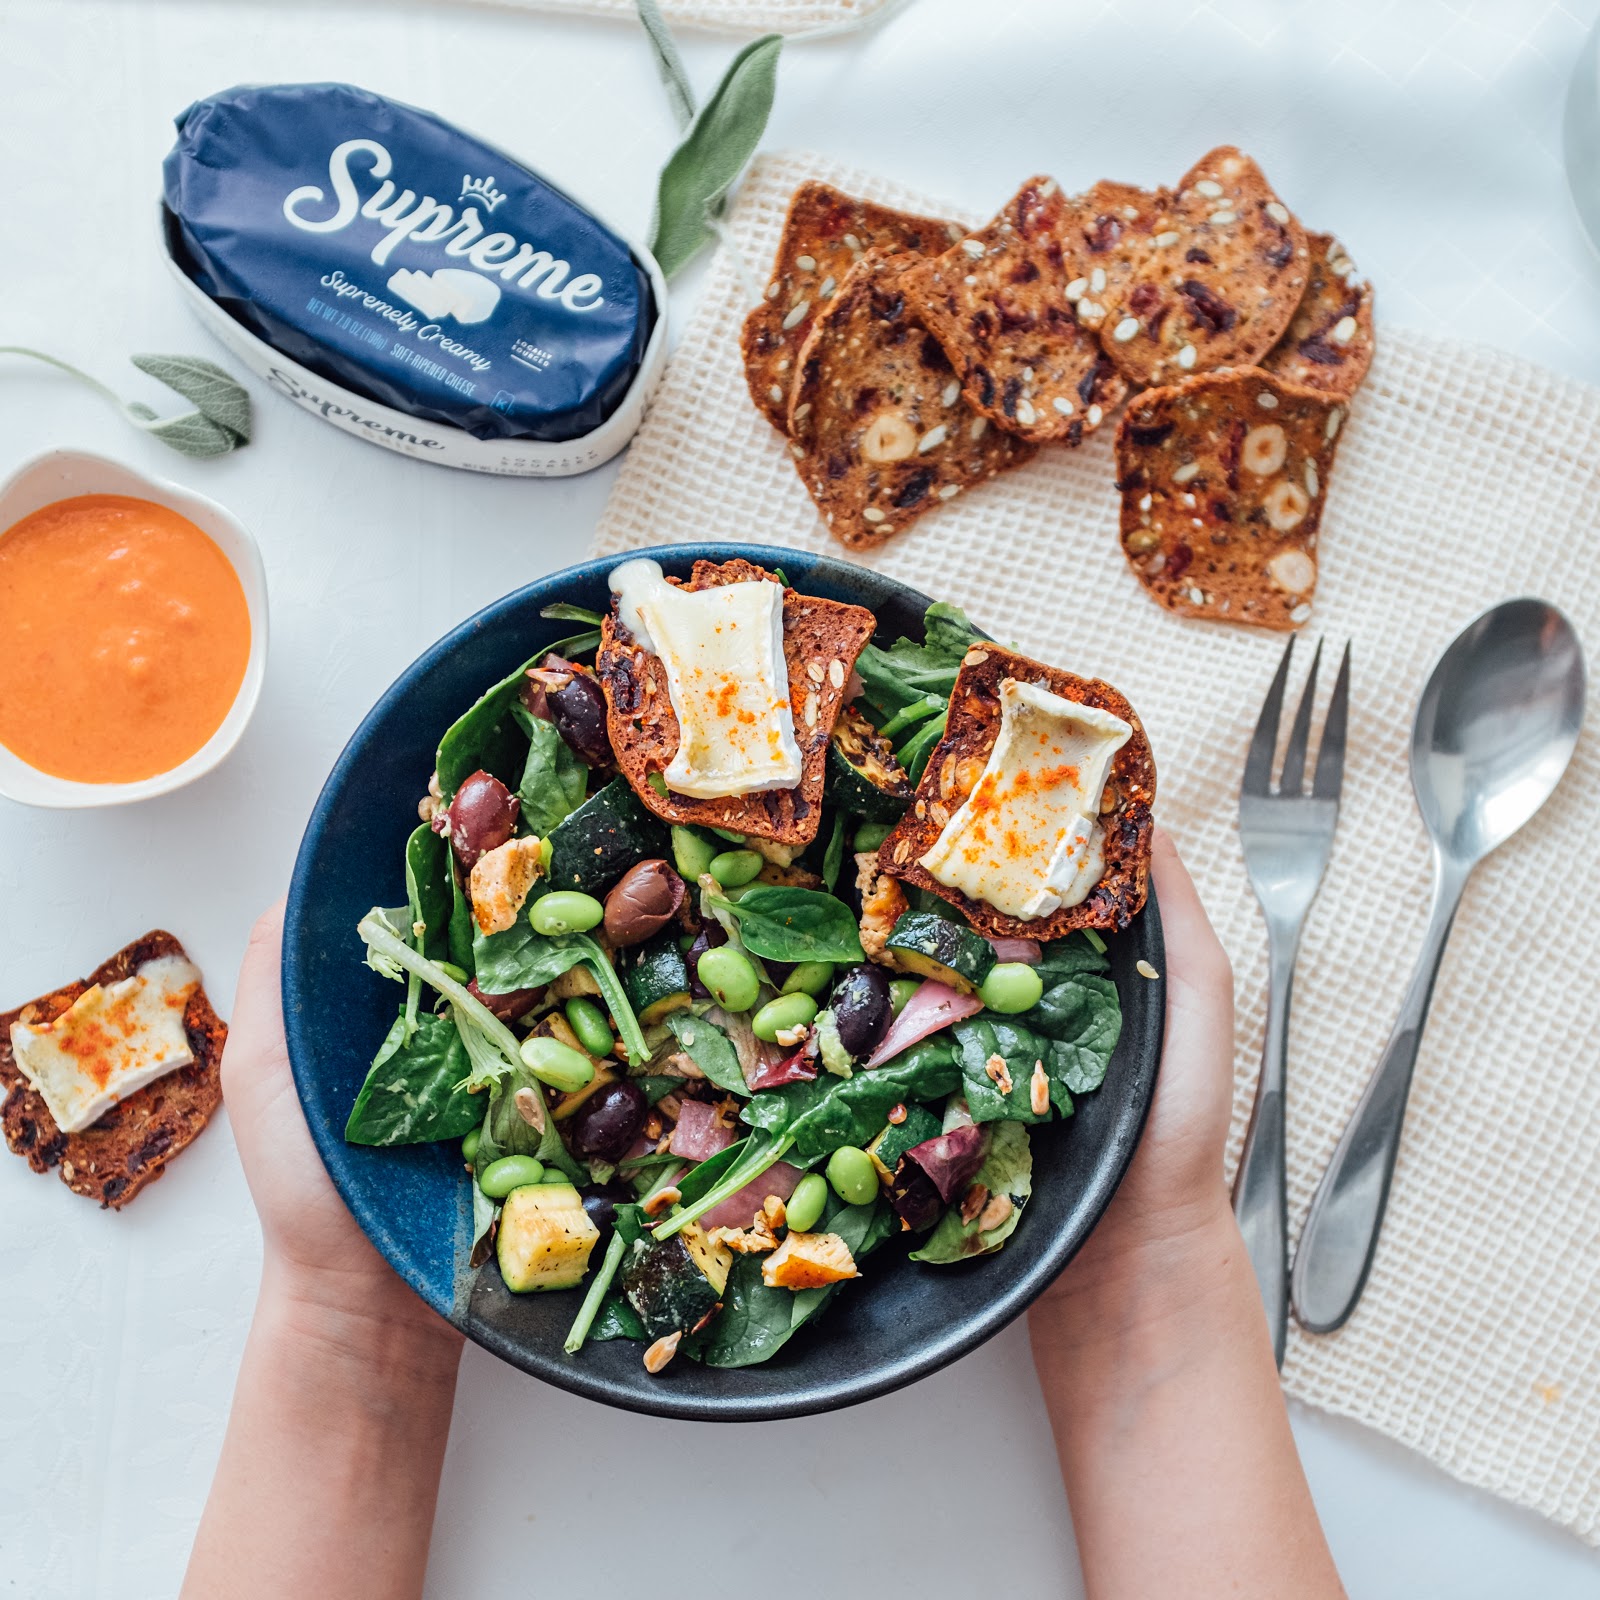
545, 1238
936, 947
864, 778
658, 980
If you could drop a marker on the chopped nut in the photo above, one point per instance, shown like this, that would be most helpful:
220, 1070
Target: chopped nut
996, 1212
999, 1073
662, 1351
529, 1107
1039, 1090
747, 1242
888, 437
976, 1198
426, 807
1144, 969
1293, 570
660, 1200
1286, 505
1264, 449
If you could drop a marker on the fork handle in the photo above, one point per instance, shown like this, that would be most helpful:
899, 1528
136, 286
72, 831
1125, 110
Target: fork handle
1340, 1236
1259, 1200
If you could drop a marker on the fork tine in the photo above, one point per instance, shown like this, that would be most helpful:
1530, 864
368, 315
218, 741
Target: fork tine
1330, 758
1292, 779
1264, 743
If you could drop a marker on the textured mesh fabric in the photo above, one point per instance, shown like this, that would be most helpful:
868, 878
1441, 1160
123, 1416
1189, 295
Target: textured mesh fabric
1466, 476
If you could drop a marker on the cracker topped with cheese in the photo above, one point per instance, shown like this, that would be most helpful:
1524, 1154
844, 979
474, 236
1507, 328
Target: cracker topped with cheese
108, 1078
721, 694
1033, 813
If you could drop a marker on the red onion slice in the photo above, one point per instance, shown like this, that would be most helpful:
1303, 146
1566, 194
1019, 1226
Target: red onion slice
934, 1006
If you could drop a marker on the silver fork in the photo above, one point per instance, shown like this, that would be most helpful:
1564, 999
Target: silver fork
1287, 837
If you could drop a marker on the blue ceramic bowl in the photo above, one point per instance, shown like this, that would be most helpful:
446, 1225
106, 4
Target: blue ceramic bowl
902, 1322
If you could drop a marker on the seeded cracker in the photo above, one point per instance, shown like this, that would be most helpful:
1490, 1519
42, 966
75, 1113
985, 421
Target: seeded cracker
997, 302
825, 634
958, 760
824, 235
1214, 283
128, 1147
1330, 342
879, 425
1222, 479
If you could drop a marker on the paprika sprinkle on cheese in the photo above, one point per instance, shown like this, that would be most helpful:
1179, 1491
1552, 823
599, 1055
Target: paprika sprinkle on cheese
124, 636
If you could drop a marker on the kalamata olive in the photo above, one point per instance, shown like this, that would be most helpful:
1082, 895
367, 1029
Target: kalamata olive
608, 1122
708, 938
508, 1006
861, 1008
600, 1202
642, 902
483, 815
578, 709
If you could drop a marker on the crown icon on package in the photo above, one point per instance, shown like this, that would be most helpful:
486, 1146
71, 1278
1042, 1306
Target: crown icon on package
481, 191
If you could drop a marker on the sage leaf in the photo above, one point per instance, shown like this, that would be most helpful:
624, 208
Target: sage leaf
715, 150
680, 96
220, 423
211, 390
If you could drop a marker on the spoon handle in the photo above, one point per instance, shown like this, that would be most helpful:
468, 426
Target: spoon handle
1340, 1236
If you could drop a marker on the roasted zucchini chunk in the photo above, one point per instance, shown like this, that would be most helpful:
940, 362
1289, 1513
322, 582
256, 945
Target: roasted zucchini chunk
657, 979
667, 1285
897, 1138
936, 947
864, 779
592, 847
545, 1238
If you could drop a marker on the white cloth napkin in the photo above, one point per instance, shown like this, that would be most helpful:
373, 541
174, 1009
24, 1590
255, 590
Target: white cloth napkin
1466, 476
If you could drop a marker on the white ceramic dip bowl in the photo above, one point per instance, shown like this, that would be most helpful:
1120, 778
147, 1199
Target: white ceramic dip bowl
63, 474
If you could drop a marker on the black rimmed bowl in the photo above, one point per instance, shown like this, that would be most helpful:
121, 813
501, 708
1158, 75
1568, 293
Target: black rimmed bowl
901, 1322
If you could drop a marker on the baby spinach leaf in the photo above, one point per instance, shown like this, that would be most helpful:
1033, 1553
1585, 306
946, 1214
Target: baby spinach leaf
708, 1047
816, 1118
428, 890
1007, 1169
519, 958
1083, 1018
553, 778
756, 1321
413, 1092
720, 141
616, 1320
485, 736
988, 1035
901, 675
463, 929
700, 1180
795, 924
913, 754
833, 856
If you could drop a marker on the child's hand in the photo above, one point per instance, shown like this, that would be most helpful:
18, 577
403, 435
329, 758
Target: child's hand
315, 1252
1173, 1192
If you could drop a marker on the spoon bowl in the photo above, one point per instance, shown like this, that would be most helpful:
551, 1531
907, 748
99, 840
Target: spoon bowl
1497, 725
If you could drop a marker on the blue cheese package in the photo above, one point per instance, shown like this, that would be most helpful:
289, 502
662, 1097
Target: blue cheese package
386, 252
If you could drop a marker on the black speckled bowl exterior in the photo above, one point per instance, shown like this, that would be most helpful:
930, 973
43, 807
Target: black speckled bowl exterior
901, 1322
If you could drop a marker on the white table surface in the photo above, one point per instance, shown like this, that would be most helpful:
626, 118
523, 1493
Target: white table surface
1427, 134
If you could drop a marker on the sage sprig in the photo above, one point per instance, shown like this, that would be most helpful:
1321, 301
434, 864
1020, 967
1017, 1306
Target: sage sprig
717, 144
220, 421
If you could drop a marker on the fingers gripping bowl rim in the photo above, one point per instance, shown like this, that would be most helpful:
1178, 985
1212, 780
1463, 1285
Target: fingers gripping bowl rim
413, 1201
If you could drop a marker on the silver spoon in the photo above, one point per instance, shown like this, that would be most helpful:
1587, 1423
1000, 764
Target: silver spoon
1495, 728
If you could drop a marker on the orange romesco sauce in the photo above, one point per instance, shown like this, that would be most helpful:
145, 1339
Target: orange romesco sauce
124, 636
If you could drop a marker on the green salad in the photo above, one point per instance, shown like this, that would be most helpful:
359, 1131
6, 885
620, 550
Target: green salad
697, 1077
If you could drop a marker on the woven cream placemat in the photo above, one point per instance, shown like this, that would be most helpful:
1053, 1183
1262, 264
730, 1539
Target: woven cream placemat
1466, 476
724, 16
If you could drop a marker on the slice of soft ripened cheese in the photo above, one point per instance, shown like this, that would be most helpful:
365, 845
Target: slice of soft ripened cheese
109, 1042
722, 650
1027, 840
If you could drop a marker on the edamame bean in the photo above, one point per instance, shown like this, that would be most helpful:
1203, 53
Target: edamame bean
566, 911
787, 1012
853, 1176
692, 852
557, 1064
730, 978
901, 990
1011, 986
735, 868
469, 1145
871, 834
555, 1175
729, 835
804, 1210
588, 1021
499, 1178
451, 970
810, 977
